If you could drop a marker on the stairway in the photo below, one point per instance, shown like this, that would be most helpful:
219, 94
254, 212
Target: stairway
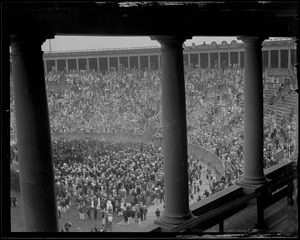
283, 106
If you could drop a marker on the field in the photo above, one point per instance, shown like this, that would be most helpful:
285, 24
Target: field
72, 215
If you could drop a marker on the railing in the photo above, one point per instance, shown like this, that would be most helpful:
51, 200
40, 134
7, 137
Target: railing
238, 45
218, 207
278, 39
101, 50
277, 42
280, 184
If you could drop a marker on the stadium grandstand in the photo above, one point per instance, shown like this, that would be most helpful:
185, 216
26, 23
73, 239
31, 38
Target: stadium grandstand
124, 140
277, 54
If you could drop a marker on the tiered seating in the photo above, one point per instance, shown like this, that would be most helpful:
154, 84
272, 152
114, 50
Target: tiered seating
285, 105
282, 103
269, 92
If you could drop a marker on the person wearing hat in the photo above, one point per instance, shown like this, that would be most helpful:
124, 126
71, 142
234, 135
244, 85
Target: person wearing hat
157, 213
141, 210
145, 210
88, 210
81, 213
95, 205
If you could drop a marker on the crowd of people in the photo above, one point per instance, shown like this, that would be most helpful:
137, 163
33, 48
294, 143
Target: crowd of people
104, 103
103, 178
121, 178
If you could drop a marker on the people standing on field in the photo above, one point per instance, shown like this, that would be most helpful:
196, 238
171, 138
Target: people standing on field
157, 213
81, 211
95, 205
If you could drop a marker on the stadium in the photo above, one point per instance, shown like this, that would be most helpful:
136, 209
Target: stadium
108, 125
277, 54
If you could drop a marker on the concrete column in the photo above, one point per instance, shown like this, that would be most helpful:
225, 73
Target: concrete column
67, 65
139, 63
239, 59
87, 64
33, 135
289, 58
159, 62
45, 66
174, 133
149, 64
56, 65
253, 113
199, 59
77, 64
128, 59
279, 59
118, 64
269, 58
98, 66
209, 60
108, 65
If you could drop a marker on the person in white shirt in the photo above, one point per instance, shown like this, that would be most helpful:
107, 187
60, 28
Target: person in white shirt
109, 220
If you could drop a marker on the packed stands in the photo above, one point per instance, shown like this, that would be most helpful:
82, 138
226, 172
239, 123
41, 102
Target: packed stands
129, 103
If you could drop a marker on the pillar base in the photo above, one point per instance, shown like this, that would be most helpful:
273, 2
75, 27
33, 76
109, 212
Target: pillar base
251, 184
168, 222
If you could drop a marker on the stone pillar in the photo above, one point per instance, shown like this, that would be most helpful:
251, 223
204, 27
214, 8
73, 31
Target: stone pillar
289, 58
128, 60
45, 66
33, 136
279, 59
118, 64
139, 63
108, 65
77, 65
98, 66
174, 133
87, 66
67, 65
269, 58
149, 63
56, 65
253, 113
159, 67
